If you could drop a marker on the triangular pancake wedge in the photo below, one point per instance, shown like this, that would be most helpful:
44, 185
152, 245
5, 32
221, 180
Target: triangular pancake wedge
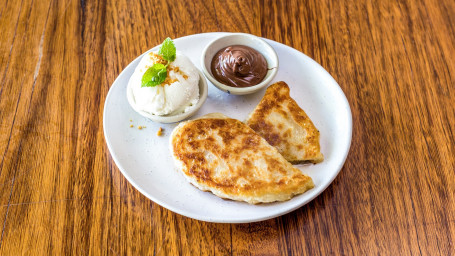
225, 156
284, 125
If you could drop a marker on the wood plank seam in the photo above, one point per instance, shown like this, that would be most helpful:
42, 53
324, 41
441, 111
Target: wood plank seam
17, 104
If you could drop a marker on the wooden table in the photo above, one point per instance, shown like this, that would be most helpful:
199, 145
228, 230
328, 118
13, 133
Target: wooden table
61, 193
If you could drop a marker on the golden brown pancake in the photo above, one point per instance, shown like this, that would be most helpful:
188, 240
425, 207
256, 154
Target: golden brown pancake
225, 156
284, 125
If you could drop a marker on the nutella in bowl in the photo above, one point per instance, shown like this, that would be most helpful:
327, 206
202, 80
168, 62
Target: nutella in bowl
239, 66
239, 63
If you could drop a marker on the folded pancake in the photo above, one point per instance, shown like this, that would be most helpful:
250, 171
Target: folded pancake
284, 125
225, 156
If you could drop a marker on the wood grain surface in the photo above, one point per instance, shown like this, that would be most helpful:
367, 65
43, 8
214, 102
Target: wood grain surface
61, 193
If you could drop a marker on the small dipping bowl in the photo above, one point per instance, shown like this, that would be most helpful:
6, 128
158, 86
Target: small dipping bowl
172, 118
240, 39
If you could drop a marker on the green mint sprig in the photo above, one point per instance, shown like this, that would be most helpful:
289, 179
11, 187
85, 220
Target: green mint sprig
168, 50
154, 76
157, 73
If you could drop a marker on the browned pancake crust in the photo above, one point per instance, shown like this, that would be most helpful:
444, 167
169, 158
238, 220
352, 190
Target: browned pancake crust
280, 120
225, 156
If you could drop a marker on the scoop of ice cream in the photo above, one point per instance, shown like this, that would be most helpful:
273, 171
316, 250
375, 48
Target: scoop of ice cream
175, 95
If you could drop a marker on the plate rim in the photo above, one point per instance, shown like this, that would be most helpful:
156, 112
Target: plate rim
200, 217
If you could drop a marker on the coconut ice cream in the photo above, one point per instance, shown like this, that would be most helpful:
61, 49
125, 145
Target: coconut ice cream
176, 94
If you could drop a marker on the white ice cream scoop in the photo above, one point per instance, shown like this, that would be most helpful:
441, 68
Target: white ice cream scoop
175, 99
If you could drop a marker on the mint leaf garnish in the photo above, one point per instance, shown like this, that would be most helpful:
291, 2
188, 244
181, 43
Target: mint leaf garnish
167, 50
154, 76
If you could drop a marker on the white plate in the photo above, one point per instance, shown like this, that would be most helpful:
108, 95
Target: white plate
145, 160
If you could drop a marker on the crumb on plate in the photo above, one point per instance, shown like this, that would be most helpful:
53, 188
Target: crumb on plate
159, 132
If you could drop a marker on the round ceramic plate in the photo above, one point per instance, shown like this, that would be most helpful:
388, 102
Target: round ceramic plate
145, 160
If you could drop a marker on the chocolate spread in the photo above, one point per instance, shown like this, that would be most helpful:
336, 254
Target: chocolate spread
239, 66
